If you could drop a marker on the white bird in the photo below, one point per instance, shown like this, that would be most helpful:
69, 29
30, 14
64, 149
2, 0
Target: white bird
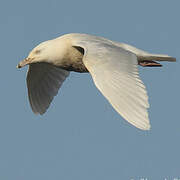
112, 65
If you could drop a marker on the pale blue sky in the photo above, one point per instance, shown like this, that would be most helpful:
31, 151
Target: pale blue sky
81, 137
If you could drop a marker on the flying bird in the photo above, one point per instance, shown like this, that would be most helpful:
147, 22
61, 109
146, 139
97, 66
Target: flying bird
112, 65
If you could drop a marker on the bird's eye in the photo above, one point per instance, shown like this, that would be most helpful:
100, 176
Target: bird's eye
37, 51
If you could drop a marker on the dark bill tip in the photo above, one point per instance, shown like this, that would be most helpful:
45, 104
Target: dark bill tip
23, 63
18, 66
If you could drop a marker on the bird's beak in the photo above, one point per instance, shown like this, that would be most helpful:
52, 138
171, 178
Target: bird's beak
24, 62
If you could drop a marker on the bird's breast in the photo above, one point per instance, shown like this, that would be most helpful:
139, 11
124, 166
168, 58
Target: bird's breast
73, 60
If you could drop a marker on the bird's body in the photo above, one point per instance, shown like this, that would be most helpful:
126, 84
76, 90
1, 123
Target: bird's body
112, 65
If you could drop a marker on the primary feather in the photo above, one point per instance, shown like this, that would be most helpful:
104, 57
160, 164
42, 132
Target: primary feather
43, 83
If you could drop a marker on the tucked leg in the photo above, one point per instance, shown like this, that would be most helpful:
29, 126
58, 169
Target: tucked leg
149, 64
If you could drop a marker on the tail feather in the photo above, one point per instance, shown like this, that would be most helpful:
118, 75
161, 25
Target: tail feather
145, 56
156, 57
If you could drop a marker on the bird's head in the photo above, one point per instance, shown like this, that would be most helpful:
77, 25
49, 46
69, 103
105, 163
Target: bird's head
48, 51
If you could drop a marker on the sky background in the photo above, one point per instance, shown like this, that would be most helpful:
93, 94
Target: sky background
81, 137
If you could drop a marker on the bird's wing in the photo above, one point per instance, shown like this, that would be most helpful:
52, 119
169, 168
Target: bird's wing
43, 83
115, 73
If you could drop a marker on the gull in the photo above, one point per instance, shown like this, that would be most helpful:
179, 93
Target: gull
112, 65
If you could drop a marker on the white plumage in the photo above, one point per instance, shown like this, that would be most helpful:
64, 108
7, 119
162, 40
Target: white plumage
112, 65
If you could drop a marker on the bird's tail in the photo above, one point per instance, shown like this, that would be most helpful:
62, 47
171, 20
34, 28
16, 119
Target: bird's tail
156, 57
143, 55
146, 60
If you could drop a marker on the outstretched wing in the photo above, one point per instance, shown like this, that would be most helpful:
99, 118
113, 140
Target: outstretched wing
115, 73
43, 83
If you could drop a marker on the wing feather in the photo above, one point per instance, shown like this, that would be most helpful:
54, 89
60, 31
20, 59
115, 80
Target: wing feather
43, 83
115, 73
